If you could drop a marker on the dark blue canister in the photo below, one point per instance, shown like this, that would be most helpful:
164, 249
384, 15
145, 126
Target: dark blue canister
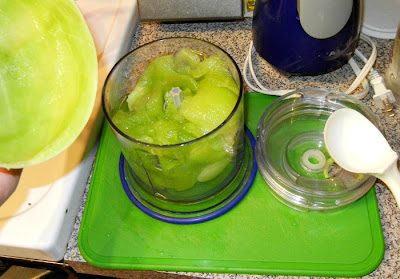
306, 37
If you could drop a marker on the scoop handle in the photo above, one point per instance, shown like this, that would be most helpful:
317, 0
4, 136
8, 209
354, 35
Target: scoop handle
391, 177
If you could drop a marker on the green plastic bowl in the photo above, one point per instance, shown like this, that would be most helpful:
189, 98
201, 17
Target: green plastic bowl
48, 77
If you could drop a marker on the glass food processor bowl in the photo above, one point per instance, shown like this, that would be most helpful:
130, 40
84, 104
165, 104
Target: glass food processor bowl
179, 86
292, 157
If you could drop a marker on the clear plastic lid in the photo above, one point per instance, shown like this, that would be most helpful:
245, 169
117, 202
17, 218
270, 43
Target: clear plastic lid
292, 156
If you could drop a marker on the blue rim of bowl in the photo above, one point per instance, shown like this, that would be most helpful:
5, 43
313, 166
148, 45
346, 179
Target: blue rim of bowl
197, 219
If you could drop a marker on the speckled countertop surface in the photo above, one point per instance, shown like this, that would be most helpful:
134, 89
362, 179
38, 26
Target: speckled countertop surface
234, 37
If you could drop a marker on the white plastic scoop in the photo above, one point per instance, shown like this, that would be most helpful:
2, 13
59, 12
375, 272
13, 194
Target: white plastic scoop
358, 146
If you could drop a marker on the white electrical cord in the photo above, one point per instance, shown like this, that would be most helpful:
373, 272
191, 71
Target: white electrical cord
360, 79
368, 63
383, 97
261, 89
365, 85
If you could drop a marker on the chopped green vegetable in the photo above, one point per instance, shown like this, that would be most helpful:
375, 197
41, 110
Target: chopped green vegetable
179, 98
209, 94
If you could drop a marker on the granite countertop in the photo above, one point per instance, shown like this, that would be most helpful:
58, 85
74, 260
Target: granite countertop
234, 38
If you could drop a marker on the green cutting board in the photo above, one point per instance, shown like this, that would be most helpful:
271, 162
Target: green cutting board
258, 236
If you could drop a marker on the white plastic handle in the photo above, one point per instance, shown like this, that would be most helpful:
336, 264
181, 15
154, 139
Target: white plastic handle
391, 177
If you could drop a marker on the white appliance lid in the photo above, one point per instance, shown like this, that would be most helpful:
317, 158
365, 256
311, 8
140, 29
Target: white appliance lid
381, 18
